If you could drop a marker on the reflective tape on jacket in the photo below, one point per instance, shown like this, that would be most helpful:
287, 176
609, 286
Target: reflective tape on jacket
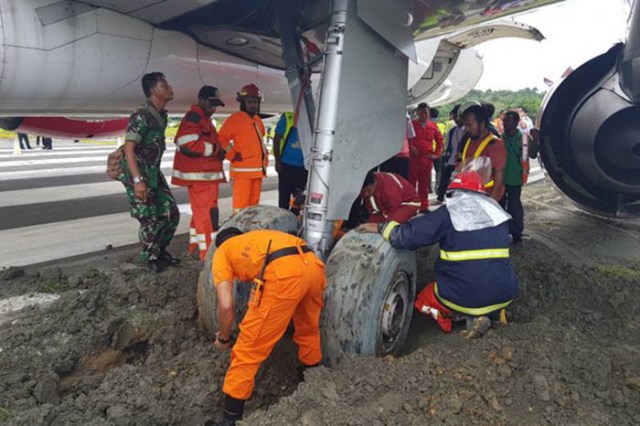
185, 139
197, 176
246, 169
471, 311
208, 149
387, 228
456, 256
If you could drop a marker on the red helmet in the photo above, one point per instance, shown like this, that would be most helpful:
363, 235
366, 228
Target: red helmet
468, 181
250, 91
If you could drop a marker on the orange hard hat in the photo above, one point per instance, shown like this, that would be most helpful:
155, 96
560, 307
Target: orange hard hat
249, 91
467, 181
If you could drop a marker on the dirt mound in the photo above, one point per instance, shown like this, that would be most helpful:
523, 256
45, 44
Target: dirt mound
114, 344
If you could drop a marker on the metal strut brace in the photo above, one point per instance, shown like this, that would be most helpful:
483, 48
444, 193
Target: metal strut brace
318, 231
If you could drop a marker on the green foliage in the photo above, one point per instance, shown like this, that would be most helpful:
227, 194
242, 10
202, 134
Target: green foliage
619, 271
530, 99
5, 415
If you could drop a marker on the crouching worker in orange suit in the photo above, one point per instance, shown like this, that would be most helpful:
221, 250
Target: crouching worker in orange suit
475, 279
288, 283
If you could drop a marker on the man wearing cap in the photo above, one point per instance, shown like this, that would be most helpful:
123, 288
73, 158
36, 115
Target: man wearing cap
288, 283
198, 166
242, 136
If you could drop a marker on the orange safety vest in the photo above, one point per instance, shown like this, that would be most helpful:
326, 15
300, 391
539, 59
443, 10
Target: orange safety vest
197, 158
478, 152
244, 135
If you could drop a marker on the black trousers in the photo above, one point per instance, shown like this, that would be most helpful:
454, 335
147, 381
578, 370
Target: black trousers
47, 143
397, 165
512, 203
291, 182
23, 139
445, 177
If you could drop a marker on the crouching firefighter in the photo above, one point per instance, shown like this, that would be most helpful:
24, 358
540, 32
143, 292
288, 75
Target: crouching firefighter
198, 166
475, 280
288, 282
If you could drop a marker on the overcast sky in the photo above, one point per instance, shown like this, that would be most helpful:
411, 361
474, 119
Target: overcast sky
575, 31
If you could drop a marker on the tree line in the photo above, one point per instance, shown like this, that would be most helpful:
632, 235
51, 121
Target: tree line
530, 99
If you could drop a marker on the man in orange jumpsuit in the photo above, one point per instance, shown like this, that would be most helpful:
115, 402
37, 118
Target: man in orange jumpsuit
241, 136
293, 284
422, 153
198, 166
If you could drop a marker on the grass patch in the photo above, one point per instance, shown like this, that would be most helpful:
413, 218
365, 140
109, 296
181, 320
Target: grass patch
618, 271
55, 286
5, 415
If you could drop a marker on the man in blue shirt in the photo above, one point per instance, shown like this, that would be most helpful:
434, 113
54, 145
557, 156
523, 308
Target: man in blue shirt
292, 176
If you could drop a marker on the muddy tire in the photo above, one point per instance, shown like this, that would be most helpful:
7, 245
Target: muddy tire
251, 219
369, 297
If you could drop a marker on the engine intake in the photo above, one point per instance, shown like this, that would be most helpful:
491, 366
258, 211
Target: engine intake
590, 138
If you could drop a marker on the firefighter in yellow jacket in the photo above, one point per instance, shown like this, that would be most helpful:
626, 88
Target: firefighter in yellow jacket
198, 166
242, 136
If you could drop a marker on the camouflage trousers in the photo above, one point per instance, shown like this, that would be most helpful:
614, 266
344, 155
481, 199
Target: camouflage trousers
158, 217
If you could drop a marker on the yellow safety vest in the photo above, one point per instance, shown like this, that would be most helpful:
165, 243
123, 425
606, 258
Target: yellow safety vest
289, 117
479, 151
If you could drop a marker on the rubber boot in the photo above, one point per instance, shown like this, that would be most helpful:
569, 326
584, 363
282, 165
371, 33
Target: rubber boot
233, 411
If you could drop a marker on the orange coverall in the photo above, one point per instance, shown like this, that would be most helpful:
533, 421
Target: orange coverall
293, 289
240, 133
197, 165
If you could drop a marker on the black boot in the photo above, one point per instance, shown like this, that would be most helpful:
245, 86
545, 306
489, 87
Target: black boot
154, 266
167, 260
233, 411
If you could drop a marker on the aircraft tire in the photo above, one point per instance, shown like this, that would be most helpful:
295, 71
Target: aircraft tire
369, 297
251, 219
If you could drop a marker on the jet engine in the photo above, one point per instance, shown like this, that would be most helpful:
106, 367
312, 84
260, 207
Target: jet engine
590, 132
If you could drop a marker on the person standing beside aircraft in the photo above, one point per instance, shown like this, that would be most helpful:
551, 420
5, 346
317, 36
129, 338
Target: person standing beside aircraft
452, 142
150, 198
23, 139
292, 176
422, 153
198, 166
483, 144
515, 172
241, 136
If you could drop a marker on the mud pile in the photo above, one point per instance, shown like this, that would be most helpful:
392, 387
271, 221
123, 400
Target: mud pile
120, 346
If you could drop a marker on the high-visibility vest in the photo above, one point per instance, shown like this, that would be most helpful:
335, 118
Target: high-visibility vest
478, 152
288, 116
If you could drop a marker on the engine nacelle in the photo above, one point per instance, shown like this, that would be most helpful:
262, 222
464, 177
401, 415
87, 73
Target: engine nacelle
590, 138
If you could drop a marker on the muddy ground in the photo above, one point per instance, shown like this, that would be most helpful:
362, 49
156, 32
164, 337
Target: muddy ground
120, 346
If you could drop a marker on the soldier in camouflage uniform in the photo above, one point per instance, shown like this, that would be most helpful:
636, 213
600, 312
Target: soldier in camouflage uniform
150, 198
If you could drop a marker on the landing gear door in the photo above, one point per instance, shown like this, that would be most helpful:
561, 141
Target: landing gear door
449, 49
371, 109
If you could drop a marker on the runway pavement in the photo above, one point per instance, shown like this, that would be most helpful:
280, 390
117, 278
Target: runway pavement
60, 203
